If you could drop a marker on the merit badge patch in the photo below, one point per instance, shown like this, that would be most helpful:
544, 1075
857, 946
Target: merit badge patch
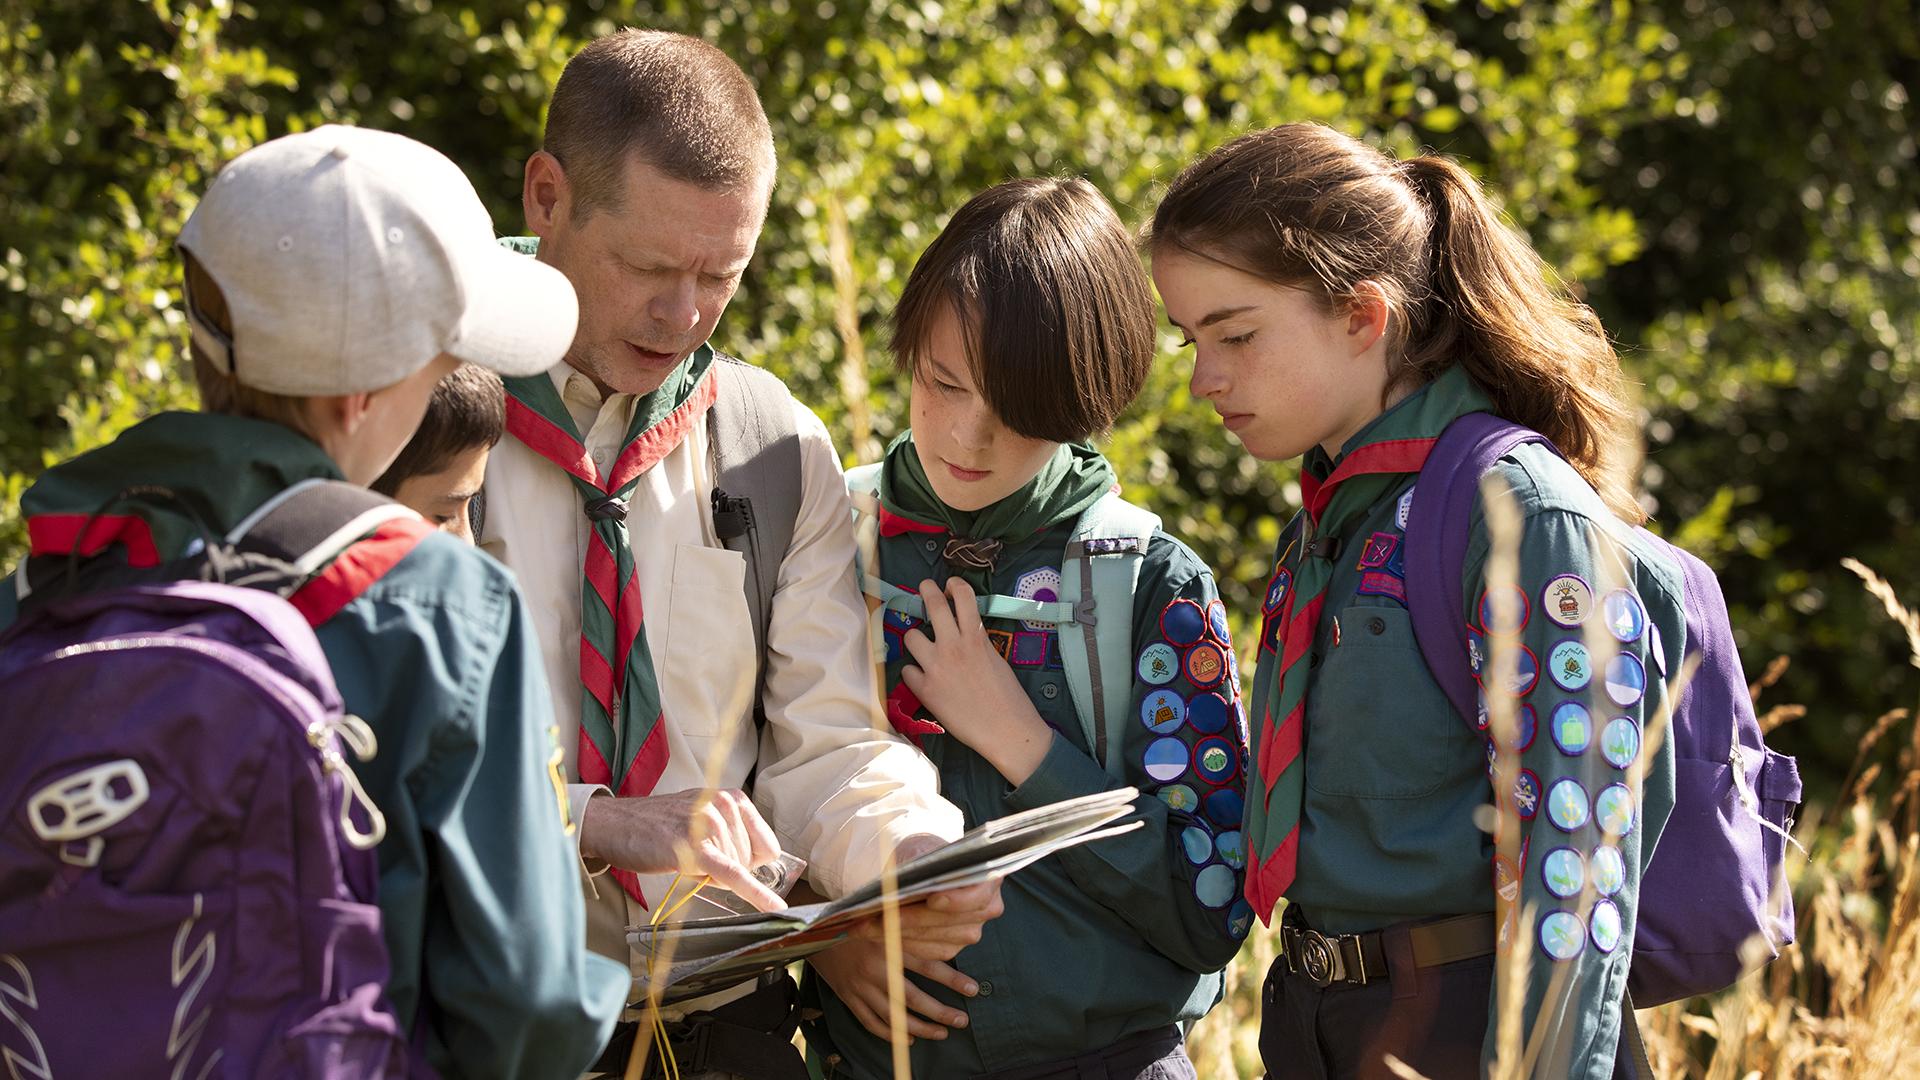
1529, 726
1569, 666
1164, 760
1563, 872
1041, 585
1378, 551
1178, 797
1504, 611
1609, 870
1572, 728
1620, 742
1481, 717
1561, 935
1208, 712
1197, 844
1613, 810
1526, 794
1163, 712
1382, 583
1002, 643
1224, 808
1240, 919
1626, 615
1605, 927
1232, 848
1159, 664
1217, 621
1567, 804
1567, 600
1206, 665
1476, 651
1626, 680
1029, 648
1183, 623
1277, 589
1214, 760
1053, 653
1506, 887
1524, 675
1215, 887
1403, 510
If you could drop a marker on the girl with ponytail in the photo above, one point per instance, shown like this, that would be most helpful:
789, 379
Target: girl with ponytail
1346, 308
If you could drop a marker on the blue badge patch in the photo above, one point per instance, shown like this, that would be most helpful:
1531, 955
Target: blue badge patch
1178, 797
1208, 713
1183, 623
1206, 665
1526, 794
1377, 551
1159, 664
1165, 760
1163, 712
1481, 717
1217, 621
1567, 600
1029, 648
1493, 758
1606, 926
1476, 651
1270, 634
1529, 726
1403, 510
1225, 807
896, 648
1381, 583
1620, 742
1504, 612
1572, 728
1569, 666
1277, 589
1214, 760
1054, 662
1561, 935
1197, 843
1232, 848
1525, 673
1626, 680
1563, 872
1240, 919
1567, 804
1613, 810
1626, 615
1609, 870
1215, 887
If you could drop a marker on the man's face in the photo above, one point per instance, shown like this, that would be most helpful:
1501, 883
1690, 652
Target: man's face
653, 272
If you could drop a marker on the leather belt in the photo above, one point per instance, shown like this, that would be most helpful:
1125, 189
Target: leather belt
1357, 959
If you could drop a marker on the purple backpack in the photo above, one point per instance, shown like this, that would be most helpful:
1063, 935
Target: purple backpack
187, 874
1713, 900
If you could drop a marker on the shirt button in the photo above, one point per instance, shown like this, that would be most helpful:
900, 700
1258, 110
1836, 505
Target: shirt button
1313, 659
1376, 626
986, 987
930, 546
1049, 691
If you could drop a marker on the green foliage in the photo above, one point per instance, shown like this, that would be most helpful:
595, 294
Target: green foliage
1736, 196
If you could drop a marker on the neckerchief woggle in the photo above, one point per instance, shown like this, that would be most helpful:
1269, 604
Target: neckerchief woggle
1336, 494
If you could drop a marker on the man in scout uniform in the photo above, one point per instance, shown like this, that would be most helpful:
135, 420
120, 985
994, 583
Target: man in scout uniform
308, 370
649, 194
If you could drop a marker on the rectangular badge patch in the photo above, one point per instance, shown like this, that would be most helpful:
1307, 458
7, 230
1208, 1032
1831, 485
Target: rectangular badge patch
1381, 583
1378, 551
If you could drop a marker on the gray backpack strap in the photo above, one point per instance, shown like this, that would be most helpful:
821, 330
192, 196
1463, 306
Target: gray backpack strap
756, 491
1098, 576
313, 521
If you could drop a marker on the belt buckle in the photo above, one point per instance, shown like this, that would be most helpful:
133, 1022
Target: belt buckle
1320, 958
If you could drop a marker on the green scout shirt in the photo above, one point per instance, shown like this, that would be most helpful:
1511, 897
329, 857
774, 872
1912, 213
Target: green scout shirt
479, 893
1119, 936
1394, 775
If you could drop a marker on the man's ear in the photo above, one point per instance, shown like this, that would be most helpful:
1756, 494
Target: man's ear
1367, 315
545, 196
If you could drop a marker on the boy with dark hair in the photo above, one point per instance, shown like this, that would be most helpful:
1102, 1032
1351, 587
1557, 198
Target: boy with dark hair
439, 473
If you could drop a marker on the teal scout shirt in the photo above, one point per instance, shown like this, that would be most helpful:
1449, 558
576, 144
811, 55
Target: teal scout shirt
479, 892
1394, 775
1122, 935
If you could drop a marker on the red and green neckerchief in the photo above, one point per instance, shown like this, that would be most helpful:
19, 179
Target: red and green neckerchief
1337, 495
623, 742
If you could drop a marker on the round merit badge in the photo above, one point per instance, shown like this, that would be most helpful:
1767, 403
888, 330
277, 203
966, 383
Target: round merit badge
1606, 925
1165, 759
1613, 810
1503, 611
1240, 919
1569, 666
1277, 589
1216, 886
1197, 843
1041, 585
1481, 717
1476, 651
1217, 621
1626, 679
1526, 794
1206, 665
1561, 935
1214, 760
1609, 870
1179, 797
1232, 848
1183, 623
1529, 725
1567, 600
1567, 804
1163, 712
1620, 742
1208, 712
1572, 728
1224, 808
1626, 615
1525, 674
1563, 872
1158, 664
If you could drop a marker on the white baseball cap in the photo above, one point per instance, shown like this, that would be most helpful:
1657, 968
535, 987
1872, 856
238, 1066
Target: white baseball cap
350, 258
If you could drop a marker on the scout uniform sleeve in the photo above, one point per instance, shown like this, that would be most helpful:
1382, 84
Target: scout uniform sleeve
1177, 880
838, 787
1586, 630
481, 858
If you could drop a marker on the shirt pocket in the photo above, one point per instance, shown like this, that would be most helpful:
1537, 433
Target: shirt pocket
707, 681
1378, 726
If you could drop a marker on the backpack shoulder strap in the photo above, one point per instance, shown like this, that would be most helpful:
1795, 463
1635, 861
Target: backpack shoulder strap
757, 482
863, 488
1439, 524
1098, 575
337, 538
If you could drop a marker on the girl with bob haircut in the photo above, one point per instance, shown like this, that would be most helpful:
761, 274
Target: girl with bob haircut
1026, 328
1345, 308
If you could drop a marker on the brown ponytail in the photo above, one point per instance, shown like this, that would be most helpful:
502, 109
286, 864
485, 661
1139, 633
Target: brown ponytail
1305, 206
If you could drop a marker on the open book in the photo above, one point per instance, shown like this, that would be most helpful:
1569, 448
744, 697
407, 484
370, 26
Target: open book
698, 956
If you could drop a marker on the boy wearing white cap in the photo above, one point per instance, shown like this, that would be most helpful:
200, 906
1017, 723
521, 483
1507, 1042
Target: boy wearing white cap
333, 278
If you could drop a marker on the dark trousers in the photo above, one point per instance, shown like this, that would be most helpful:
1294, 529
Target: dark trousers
1431, 1018
1148, 1055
